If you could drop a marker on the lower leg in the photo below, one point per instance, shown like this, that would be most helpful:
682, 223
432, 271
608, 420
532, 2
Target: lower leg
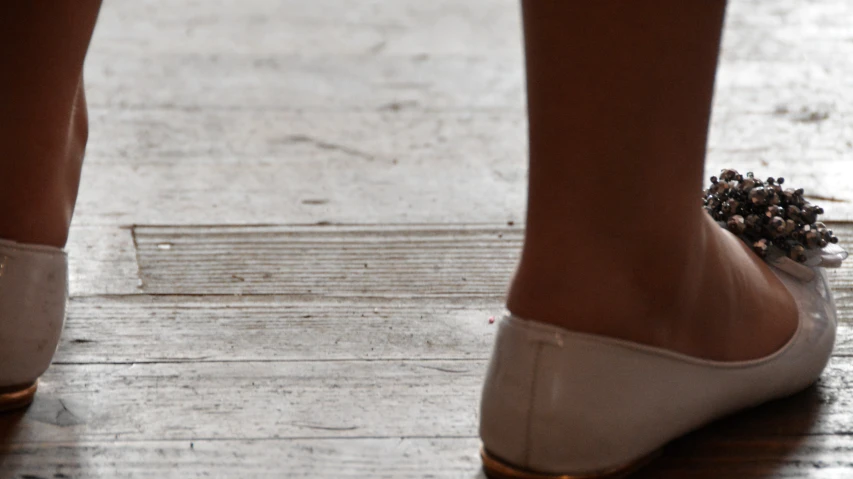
43, 125
619, 98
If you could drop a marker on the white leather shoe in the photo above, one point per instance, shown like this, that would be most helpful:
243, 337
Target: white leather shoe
562, 404
33, 292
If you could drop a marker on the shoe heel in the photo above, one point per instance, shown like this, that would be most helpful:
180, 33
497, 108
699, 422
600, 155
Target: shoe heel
494, 468
33, 295
17, 397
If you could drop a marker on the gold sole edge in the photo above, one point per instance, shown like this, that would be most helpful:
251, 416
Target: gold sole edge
13, 398
495, 468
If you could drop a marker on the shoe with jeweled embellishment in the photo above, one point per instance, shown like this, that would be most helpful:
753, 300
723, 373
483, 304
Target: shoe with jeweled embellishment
564, 404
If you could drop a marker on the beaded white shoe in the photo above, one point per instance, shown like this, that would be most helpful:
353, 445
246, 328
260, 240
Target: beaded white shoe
562, 404
33, 292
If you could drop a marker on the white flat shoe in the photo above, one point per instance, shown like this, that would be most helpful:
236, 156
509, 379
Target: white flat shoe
33, 292
562, 404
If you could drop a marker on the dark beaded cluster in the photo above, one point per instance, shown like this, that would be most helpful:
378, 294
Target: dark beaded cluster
765, 215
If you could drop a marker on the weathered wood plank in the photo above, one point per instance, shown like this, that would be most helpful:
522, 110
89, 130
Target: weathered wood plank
246, 400
285, 40
389, 261
323, 27
309, 458
195, 329
782, 30
265, 193
262, 82
698, 456
368, 139
386, 59
386, 261
101, 261
326, 399
442, 138
842, 278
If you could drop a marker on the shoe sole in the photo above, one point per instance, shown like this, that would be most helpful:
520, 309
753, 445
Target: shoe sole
497, 469
17, 397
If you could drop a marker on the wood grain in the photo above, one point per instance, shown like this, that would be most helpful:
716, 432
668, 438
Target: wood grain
699, 457
101, 261
248, 400
143, 329
380, 261
314, 458
140, 329
330, 399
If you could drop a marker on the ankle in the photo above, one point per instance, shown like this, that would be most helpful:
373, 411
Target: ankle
573, 273
36, 222
714, 299
604, 301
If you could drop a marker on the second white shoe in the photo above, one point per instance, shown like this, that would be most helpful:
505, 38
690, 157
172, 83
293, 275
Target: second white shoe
33, 293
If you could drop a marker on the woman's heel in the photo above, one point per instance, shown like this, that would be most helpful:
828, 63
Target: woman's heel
33, 293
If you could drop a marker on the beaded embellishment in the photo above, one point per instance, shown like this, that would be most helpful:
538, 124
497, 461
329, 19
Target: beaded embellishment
780, 225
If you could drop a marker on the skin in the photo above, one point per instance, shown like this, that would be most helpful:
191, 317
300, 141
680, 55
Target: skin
619, 101
43, 125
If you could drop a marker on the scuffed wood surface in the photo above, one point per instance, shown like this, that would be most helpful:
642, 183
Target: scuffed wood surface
258, 399
271, 458
385, 261
144, 329
246, 303
102, 261
812, 457
209, 329
329, 399
285, 167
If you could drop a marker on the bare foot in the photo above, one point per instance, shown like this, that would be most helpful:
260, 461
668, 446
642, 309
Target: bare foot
722, 303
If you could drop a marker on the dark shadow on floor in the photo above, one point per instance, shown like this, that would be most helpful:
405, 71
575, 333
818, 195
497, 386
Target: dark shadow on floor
10, 425
768, 442
54, 455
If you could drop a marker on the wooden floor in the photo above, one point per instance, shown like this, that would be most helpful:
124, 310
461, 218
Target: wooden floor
297, 216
